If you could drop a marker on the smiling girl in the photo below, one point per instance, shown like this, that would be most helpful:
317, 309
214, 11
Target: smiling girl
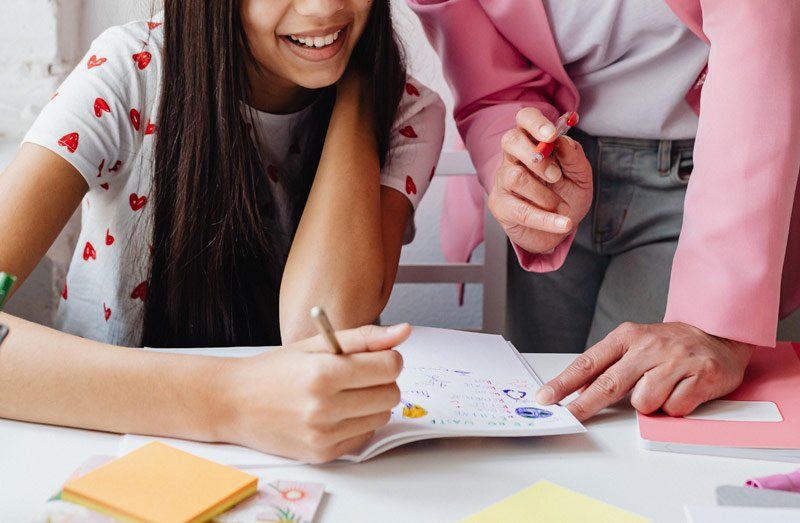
236, 163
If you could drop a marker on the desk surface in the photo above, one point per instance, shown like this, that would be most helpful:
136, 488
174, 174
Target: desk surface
433, 481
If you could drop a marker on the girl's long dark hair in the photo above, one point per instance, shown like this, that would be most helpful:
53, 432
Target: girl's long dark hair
215, 270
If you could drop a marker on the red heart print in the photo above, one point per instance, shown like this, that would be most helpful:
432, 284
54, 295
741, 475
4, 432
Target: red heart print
100, 169
150, 129
137, 202
101, 106
104, 186
70, 141
64, 292
140, 292
116, 167
411, 187
88, 252
136, 119
153, 25
142, 59
109, 238
272, 172
408, 132
410, 89
106, 312
94, 61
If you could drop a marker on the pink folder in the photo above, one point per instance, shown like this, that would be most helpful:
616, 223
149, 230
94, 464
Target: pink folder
773, 375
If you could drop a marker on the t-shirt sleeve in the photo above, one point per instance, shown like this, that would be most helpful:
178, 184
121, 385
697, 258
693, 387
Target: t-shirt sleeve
93, 120
416, 142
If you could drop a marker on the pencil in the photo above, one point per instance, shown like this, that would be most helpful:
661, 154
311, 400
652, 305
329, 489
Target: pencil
324, 327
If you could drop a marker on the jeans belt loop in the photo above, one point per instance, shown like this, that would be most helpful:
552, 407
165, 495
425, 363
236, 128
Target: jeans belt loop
664, 157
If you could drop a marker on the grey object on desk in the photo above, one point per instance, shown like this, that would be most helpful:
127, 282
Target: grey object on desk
756, 497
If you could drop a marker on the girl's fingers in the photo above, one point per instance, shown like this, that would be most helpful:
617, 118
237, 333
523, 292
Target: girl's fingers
519, 148
367, 401
329, 373
342, 448
511, 209
518, 180
355, 427
366, 338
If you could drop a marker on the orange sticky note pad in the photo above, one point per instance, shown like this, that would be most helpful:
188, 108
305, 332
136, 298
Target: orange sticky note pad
159, 483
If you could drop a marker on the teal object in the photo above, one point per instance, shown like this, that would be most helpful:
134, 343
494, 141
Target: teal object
7, 282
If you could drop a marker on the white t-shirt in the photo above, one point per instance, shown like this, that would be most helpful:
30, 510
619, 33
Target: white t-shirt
103, 121
633, 61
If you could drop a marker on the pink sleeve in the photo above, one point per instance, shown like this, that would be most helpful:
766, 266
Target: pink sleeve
491, 82
726, 276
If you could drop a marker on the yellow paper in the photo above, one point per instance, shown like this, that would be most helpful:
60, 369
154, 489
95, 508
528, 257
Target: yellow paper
159, 483
546, 502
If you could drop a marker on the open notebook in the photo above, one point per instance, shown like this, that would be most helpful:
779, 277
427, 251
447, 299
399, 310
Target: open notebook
453, 384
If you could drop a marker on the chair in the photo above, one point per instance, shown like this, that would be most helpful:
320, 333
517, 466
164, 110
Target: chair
491, 274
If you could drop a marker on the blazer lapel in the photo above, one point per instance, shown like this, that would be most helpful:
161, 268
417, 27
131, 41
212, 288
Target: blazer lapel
525, 25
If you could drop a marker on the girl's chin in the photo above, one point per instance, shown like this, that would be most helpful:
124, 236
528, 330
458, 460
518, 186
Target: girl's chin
318, 80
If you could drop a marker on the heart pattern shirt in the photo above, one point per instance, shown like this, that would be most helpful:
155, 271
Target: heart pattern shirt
103, 120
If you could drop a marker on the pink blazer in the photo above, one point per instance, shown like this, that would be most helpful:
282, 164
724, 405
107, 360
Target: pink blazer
737, 266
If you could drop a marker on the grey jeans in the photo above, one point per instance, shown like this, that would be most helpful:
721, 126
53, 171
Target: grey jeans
619, 266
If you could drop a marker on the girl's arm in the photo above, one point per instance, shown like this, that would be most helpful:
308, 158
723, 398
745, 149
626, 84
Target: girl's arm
297, 402
55, 378
345, 254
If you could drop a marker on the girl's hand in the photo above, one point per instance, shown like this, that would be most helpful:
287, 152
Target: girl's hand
304, 402
540, 204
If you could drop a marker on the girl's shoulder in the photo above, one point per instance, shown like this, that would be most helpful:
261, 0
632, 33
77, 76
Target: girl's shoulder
127, 55
104, 113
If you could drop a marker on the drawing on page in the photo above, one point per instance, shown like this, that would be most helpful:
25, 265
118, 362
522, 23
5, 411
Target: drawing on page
413, 411
515, 394
533, 412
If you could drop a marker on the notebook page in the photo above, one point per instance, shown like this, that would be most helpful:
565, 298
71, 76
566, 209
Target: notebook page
457, 383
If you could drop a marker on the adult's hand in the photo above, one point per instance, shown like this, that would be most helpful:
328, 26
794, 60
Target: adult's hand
670, 366
539, 204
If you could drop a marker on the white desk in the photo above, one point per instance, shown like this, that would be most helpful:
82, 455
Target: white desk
435, 481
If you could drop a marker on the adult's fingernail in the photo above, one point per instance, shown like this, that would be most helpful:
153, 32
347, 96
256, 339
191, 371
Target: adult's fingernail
546, 132
562, 223
552, 173
572, 143
545, 395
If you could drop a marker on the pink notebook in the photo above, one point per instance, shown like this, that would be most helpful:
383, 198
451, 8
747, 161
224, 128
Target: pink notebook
760, 420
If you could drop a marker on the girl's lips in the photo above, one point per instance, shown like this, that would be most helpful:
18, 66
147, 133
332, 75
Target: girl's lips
316, 54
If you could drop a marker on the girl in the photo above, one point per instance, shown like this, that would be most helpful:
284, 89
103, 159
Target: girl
237, 161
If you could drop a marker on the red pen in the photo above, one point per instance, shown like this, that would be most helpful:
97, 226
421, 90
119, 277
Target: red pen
563, 125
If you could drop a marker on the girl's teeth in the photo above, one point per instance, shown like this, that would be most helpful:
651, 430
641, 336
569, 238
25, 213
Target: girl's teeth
316, 41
